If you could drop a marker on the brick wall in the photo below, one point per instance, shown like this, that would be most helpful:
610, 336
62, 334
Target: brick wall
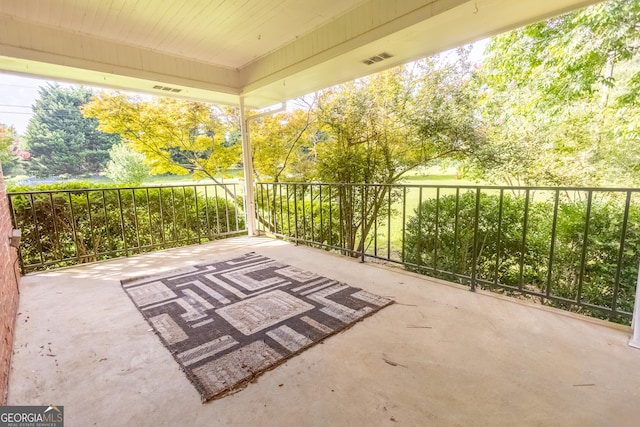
8, 292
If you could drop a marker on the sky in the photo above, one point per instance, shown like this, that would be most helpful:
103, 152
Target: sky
19, 93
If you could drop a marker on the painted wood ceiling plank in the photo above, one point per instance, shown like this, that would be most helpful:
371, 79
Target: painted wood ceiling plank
196, 29
198, 41
169, 33
159, 18
43, 9
88, 21
77, 15
124, 26
113, 19
24, 8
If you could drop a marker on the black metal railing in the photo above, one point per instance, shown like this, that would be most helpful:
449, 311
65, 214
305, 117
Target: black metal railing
572, 248
72, 226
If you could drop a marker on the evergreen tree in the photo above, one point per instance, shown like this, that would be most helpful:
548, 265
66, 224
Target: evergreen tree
61, 140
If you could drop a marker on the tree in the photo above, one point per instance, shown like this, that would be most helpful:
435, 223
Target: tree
381, 127
568, 57
280, 142
176, 136
12, 156
8, 139
560, 100
60, 139
126, 166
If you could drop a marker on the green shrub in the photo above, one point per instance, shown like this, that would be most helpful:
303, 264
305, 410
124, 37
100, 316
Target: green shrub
445, 249
75, 223
126, 166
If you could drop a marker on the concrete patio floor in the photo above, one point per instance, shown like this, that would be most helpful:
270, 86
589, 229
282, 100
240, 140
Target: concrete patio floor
440, 356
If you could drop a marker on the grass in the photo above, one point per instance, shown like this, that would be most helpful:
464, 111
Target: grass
392, 228
151, 180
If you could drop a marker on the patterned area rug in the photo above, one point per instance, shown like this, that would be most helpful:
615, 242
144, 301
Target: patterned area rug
227, 322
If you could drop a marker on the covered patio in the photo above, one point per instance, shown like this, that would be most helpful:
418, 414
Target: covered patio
440, 355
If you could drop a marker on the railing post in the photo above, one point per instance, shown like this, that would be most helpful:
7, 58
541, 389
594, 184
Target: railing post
362, 220
474, 267
247, 161
635, 323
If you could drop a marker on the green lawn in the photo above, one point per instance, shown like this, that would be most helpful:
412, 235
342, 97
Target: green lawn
407, 207
151, 180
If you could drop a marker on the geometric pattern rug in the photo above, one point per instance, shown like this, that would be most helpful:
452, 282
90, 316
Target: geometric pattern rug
227, 322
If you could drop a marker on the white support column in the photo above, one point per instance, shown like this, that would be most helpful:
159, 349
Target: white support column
635, 323
247, 161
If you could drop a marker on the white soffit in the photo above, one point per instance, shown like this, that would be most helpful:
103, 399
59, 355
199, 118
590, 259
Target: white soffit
265, 50
440, 26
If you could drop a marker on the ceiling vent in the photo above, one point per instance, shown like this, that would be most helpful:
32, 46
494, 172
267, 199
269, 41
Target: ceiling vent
167, 88
377, 58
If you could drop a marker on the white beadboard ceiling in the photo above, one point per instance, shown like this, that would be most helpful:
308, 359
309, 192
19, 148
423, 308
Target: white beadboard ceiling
265, 50
229, 33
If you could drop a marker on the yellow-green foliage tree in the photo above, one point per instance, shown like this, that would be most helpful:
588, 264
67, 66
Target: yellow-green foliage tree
281, 144
176, 136
383, 126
